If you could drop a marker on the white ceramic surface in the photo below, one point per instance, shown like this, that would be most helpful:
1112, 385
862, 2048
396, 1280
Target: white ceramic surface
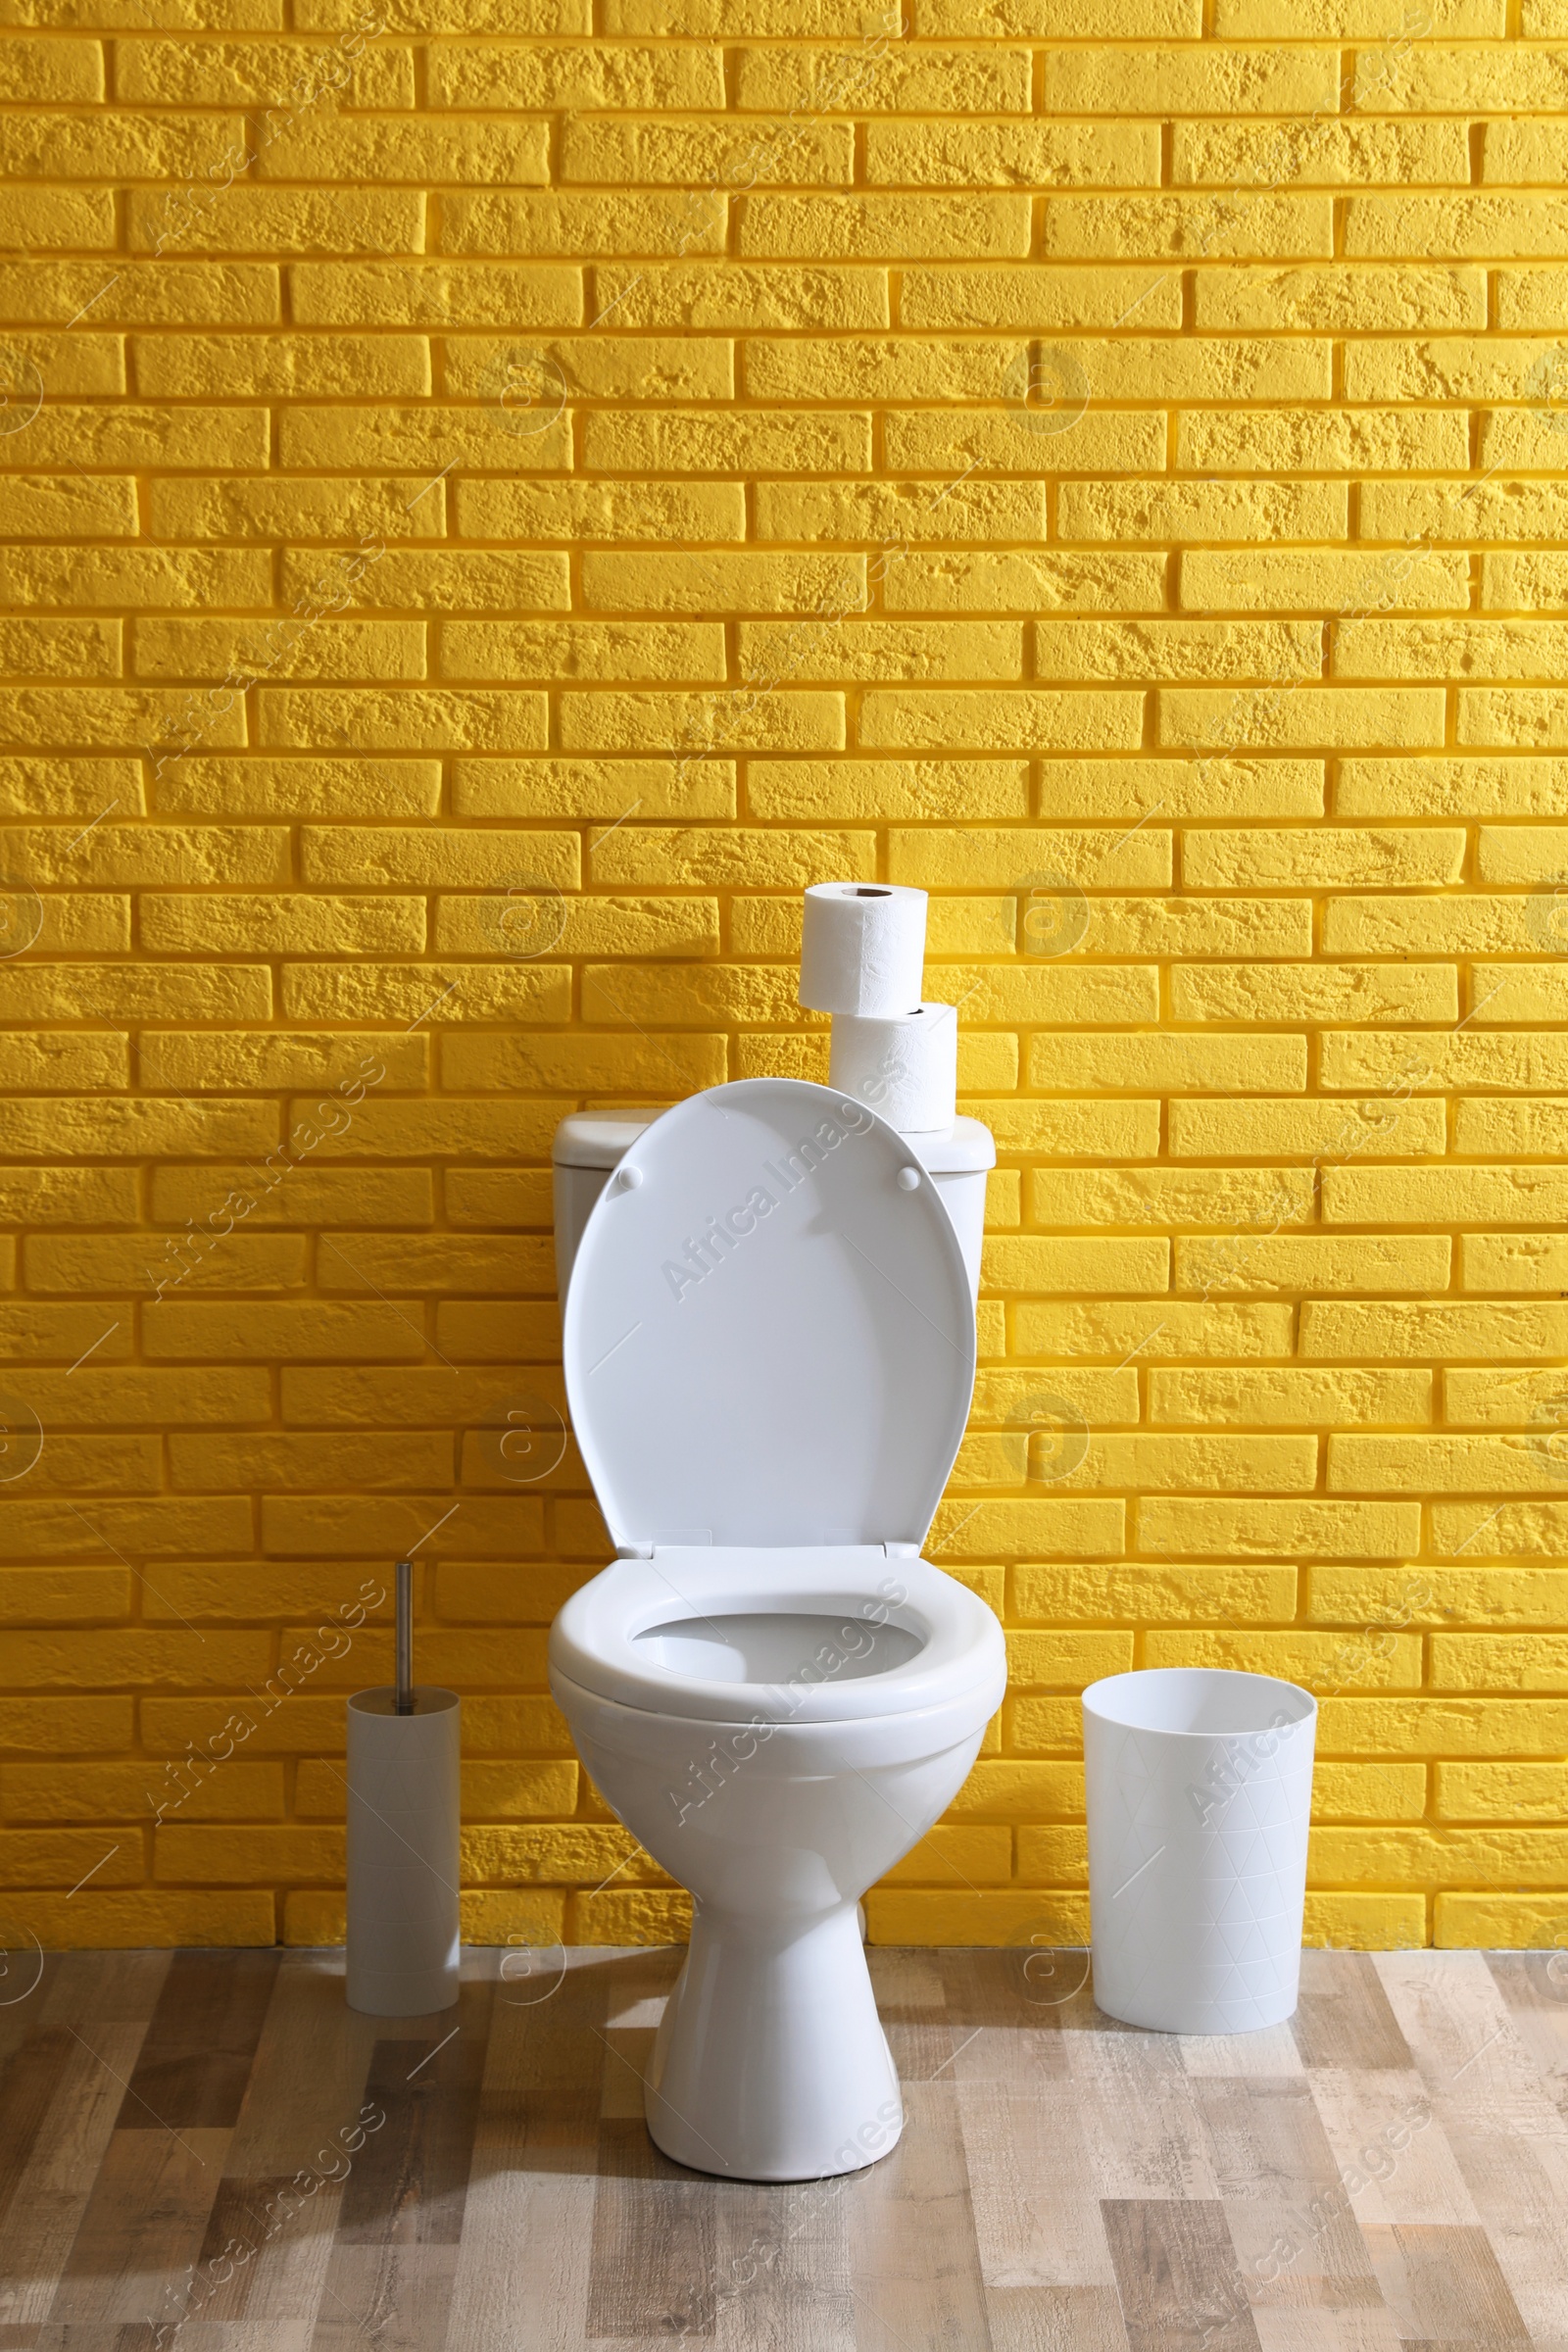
769, 1338
403, 1871
823, 1633
589, 1144
771, 2063
1200, 1793
777, 1696
863, 947
906, 1067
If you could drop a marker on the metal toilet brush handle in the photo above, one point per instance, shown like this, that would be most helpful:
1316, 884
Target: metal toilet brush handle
403, 1703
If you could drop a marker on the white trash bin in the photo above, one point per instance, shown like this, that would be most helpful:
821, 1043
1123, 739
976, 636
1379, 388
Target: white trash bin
1200, 1790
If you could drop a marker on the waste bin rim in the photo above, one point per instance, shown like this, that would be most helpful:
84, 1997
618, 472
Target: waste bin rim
1098, 1701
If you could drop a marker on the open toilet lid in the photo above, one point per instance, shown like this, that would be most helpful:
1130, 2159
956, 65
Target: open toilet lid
770, 1339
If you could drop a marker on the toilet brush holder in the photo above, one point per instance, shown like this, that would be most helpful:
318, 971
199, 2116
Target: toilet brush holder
402, 1828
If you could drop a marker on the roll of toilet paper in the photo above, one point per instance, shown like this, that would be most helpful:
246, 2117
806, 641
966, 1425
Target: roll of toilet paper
907, 1069
862, 949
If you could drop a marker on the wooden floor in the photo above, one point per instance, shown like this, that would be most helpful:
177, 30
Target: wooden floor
1390, 2170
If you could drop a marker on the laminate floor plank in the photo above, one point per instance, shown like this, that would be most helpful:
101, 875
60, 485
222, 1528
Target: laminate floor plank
1286, 2207
142, 2227
45, 2212
639, 1984
410, 2179
84, 2335
1000, 1991
201, 2040
308, 2070
1520, 2189
391, 2296
393, 2258
1389, 2174
1270, 2054
1535, 1988
29, 2090
912, 2002
915, 2260
1141, 2121
652, 2266
107, 1988
655, 2238
1002, 2018
1443, 2287
22, 1999
240, 2336
1031, 2183
1465, 2038
521, 2279
1177, 2275
1298, 2258
1056, 2319
781, 2280
264, 2255
1288, 2328
1344, 2017
1266, 2137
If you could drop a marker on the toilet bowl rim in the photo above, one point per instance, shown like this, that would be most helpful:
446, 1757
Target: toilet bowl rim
593, 1640
812, 1750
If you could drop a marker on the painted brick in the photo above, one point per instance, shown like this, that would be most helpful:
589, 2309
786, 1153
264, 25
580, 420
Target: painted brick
1410, 300
1152, 1330
1266, 1397
1311, 1530
1190, 81
992, 79
1056, 447
1320, 580
1005, 154
1304, 992
1321, 1660
1269, 1263
1036, 297
1305, 1129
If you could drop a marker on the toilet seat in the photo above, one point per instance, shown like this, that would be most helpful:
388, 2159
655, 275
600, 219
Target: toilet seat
594, 1643
768, 1339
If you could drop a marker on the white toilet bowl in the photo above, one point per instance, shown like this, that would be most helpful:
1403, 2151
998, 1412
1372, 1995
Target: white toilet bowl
772, 1689
777, 1728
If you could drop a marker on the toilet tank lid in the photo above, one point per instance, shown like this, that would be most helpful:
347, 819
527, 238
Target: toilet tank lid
598, 1139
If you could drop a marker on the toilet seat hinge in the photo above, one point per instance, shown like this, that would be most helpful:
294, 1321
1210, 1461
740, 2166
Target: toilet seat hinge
634, 1551
901, 1551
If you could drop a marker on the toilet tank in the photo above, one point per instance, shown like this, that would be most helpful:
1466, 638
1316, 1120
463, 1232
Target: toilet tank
589, 1144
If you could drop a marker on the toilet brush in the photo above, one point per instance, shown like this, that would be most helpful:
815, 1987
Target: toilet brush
403, 1827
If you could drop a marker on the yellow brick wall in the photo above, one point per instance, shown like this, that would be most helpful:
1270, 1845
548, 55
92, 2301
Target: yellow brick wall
501, 493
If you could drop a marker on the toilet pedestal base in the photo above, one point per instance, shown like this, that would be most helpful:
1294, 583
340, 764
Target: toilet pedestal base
771, 2063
